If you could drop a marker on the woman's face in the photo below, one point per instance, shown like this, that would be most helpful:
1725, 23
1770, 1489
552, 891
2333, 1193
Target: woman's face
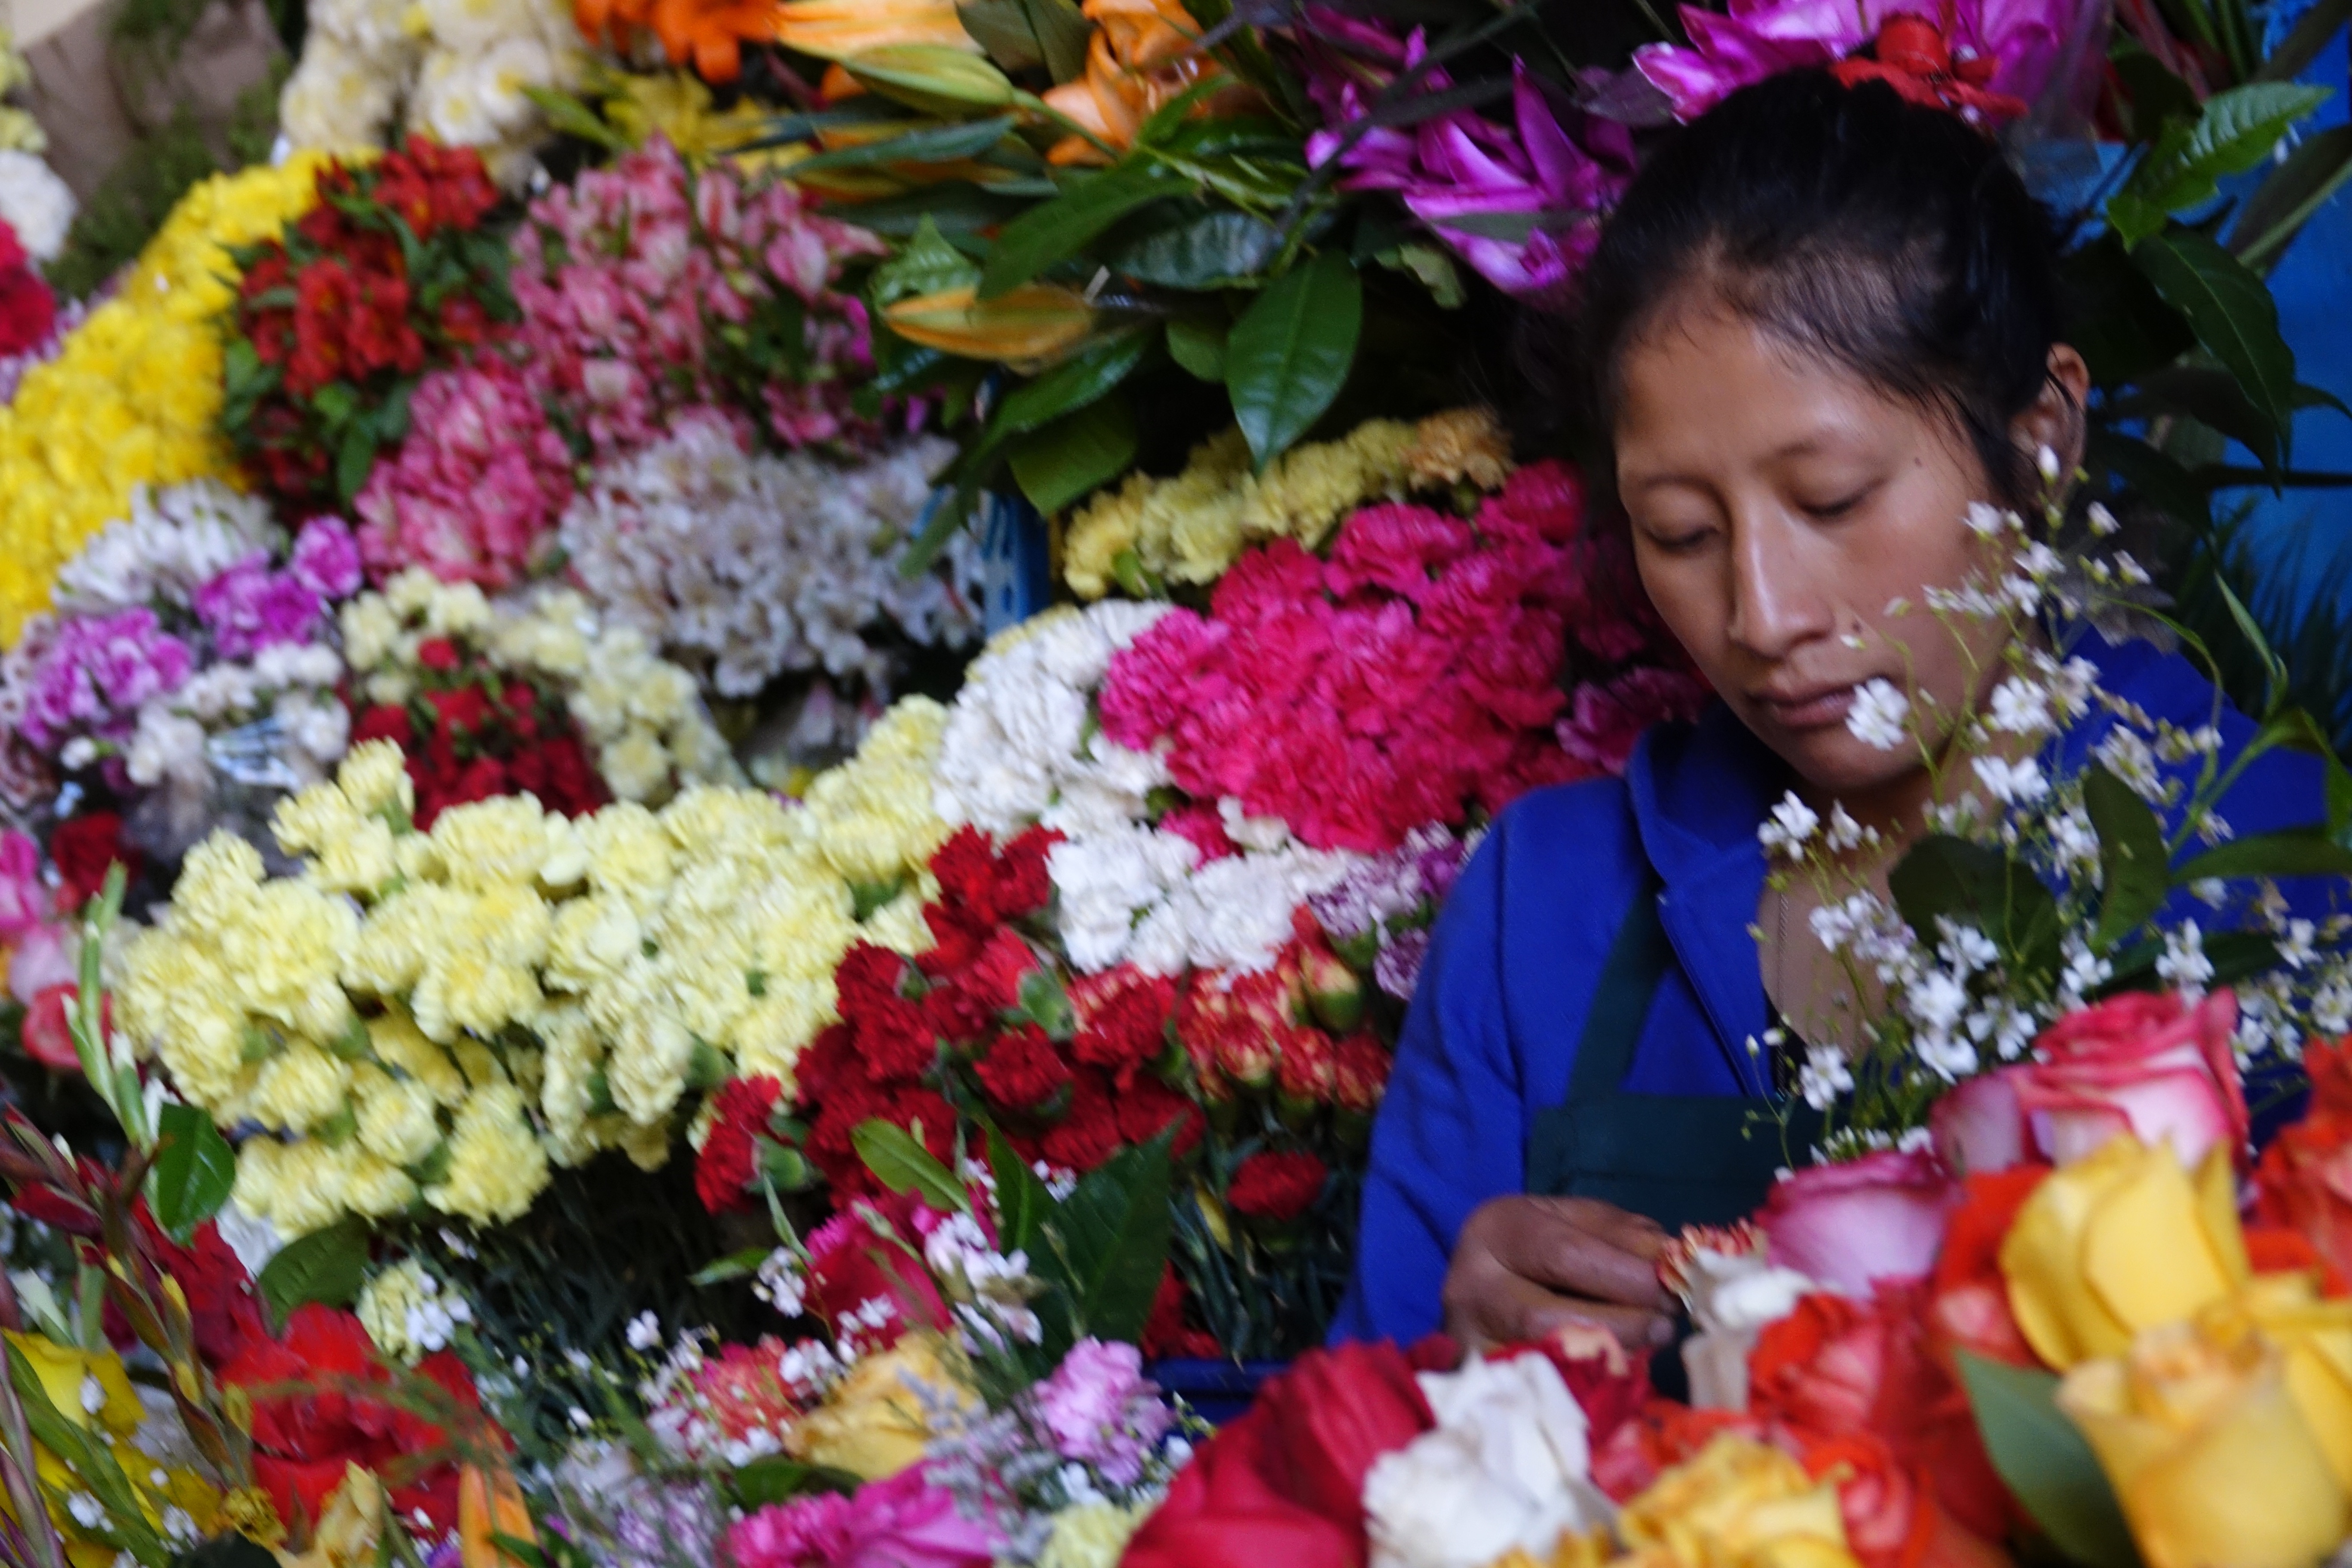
1779, 505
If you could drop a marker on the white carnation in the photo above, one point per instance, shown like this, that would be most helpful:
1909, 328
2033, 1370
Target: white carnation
174, 540
37, 204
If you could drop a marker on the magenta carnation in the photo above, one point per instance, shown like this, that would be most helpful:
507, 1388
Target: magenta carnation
481, 476
901, 1523
94, 672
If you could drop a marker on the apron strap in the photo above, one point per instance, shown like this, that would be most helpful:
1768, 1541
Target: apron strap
1628, 979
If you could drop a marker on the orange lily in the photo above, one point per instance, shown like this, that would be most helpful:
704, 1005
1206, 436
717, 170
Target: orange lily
1141, 57
489, 1505
708, 34
832, 29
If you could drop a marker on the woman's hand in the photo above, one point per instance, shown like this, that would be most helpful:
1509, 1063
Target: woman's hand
1524, 1265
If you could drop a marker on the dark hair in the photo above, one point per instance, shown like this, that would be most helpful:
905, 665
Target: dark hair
1890, 238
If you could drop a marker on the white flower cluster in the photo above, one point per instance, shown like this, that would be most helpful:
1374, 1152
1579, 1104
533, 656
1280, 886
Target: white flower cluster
460, 71
174, 539
276, 721
755, 565
409, 1314
989, 1290
1021, 746
35, 202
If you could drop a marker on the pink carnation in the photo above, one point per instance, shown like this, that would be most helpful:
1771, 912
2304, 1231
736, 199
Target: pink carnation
1606, 717
1100, 1410
24, 898
480, 477
902, 1522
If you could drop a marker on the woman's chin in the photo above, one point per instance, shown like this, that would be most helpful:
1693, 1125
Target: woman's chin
1834, 765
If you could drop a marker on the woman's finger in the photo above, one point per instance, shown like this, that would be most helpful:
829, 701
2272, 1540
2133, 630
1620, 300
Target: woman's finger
1576, 1247
1512, 1310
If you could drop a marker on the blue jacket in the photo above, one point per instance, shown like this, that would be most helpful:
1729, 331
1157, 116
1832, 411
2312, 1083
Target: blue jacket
1492, 1031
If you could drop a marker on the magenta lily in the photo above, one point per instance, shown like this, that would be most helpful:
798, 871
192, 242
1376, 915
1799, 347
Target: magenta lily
1521, 203
2027, 40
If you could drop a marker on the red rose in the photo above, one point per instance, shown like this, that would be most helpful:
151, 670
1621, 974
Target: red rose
1022, 1071
438, 653
47, 1038
2146, 1064
731, 1153
1878, 1217
1122, 1016
83, 847
852, 1264
2305, 1178
1968, 1303
1282, 1484
1276, 1187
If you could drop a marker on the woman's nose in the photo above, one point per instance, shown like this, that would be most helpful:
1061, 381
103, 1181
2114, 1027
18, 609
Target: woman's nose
1778, 601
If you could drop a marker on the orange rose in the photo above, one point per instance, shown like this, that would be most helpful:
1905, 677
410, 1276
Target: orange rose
2304, 1179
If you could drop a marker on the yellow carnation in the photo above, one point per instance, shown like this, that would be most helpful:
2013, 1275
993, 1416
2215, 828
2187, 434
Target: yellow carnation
300, 1088
312, 1185
397, 1042
496, 1166
375, 778
398, 1121
375, 1189
490, 843
591, 941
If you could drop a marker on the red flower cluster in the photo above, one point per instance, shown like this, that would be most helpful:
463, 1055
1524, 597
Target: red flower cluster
730, 1151
83, 847
2304, 1179
467, 738
1245, 1034
1064, 1068
1275, 1186
321, 1402
28, 311
385, 274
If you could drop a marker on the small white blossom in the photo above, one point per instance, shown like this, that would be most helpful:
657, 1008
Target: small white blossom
1877, 716
2012, 784
2103, 521
2021, 707
1791, 824
2045, 463
1844, 832
93, 1394
2184, 965
1824, 1077
1937, 1000
645, 1331
1963, 948
87, 1510
1986, 520
2295, 946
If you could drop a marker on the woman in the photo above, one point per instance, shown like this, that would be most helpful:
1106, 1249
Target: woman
1821, 324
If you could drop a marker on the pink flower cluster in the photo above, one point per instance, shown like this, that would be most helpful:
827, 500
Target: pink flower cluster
249, 608
1359, 698
94, 672
480, 477
1102, 1412
629, 277
904, 1521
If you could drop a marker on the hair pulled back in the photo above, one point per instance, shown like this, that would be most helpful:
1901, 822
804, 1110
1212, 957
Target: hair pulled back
1888, 239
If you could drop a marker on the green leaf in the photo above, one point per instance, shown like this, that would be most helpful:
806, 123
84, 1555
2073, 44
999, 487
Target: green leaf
2233, 312
2211, 396
1021, 34
572, 118
953, 207
2288, 852
327, 1267
1022, 1201
1199, 346
2121, 324
932, 145
2131, 856
2048, 1465
903, 1165
947, 514
226, 1552
1075, 455
2156, 93
353, 458
193, 1173
1974, 884
777, 1479
1107, 1243
2289, 195
1206, 251
1071, 384
1289, 354
2237, 131
1044, 234
2303, 43
927, 264
933, 79
741, 1265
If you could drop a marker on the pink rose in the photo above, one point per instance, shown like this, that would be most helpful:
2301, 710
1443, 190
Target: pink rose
24, 901
902, 1522
2150, 1065
46, 955
1979, 1127
1850, 1225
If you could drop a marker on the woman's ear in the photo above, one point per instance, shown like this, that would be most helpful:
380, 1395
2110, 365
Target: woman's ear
2054, 419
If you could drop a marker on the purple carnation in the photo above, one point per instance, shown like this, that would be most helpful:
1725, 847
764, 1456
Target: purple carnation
96, 672
249, 608
326, 558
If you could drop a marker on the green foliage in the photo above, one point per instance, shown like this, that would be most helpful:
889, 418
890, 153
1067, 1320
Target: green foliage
1289, 354
2049, 1469
195, 1170
327, 1267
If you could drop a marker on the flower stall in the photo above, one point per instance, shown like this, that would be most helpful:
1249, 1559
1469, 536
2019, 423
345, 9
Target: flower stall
733, 733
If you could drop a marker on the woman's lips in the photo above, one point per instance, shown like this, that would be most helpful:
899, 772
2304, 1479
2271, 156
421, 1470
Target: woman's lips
1817, 708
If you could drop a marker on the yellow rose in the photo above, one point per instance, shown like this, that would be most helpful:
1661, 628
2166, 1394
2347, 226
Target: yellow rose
2119, 1242
874, 1423
349, 1532
2315, 1336
2208, 1455
1738, 1501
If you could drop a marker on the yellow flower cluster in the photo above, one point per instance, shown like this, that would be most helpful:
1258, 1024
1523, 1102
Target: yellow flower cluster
1191, 528
134, 395
1736, 1502
640, 715
90, 1390
431, 1018
20, 131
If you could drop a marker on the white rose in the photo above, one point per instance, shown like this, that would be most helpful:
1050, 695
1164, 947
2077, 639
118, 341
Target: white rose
1508, 1465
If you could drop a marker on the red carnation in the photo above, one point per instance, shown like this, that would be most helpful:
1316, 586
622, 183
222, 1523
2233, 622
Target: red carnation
896, 1039
1088, 1134
1359, 1074
1166, 1333
1022, 884
1275, 1186
83, 847
1022, 1070
28, 311
384, 722
730, 1154
1122, 1016
438, 653
1145, 1107
996, 974
865, 977
965, 867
